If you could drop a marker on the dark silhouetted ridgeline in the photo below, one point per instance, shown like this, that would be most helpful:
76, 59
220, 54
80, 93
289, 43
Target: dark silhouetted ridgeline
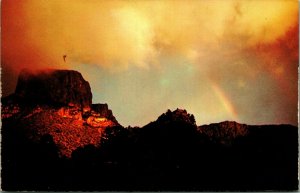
69, 144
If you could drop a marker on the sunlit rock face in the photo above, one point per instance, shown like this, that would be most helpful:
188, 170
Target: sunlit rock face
58, 87
101, 110
57, 103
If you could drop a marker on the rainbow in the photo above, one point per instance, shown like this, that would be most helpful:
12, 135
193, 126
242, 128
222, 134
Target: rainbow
225, 101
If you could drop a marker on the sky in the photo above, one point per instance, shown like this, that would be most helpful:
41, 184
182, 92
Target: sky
219, 60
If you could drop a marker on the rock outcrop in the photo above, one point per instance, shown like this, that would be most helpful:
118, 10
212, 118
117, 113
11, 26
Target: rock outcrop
57, 103
179, 115
102, 111
54, 87
224, 132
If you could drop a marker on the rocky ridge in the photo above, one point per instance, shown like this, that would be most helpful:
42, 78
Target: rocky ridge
178, 115
57, 103
224, 132
164, 155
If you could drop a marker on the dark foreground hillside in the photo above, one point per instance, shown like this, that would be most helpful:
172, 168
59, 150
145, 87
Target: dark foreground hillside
74, 145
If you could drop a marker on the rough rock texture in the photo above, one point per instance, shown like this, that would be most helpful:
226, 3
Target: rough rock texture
102, 111
164, 155
55, 87
57, 103
65, 125
224, 132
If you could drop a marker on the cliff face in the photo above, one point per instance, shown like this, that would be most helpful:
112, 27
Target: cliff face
101, 110
55, 87
57, 103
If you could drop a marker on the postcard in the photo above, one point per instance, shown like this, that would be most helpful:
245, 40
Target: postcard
162, 95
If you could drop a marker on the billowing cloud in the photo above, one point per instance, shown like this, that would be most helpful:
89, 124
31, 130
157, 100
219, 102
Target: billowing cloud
121, 33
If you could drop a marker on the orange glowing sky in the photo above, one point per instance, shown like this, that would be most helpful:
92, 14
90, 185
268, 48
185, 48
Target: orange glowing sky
220, 60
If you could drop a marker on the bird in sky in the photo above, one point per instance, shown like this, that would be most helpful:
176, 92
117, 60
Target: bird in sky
64, 57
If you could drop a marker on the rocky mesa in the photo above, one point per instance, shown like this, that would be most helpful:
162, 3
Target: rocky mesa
54, 87
57, 103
